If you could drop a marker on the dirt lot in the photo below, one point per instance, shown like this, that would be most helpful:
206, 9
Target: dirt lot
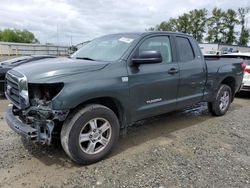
189, 148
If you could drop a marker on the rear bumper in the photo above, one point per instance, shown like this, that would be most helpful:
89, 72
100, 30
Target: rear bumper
19, 127
246, 82
245, 88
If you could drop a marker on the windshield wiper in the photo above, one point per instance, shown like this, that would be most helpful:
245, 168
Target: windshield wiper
85, 58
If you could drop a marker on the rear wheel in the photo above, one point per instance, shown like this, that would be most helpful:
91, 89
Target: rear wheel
222, 102
89, 135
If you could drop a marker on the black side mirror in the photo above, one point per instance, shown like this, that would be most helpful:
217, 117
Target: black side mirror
148, 57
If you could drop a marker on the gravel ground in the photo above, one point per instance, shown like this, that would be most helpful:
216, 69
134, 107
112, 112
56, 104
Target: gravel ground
188, 148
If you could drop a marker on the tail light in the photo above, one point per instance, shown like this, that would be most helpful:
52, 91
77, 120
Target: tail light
247, 70
243, 65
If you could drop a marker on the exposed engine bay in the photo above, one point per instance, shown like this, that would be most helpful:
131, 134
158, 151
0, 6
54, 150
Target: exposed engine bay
40, 115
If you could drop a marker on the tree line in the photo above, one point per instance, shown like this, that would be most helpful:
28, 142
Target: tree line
229, 26
16, 35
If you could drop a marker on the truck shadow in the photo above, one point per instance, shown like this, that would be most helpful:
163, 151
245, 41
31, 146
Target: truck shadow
2, 97
141, 132
243, 95
48, 155
164, 126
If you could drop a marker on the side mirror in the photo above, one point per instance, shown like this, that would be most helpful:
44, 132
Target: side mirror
148, 57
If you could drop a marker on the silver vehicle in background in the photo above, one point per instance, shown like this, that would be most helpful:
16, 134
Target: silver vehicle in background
246, 59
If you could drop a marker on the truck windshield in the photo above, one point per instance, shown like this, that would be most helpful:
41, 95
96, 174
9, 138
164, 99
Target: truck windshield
107, 48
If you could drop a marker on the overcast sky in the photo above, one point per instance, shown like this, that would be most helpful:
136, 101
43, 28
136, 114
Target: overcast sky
85, 19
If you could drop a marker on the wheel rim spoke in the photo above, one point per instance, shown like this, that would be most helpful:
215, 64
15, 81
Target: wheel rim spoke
91, 147
221, 105
84, 137
227, 98
93, 124
95, 135
104, 127
224, 94
224, 100
103, 141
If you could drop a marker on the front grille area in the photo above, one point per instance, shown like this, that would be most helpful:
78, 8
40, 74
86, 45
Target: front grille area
12, 90
16, 84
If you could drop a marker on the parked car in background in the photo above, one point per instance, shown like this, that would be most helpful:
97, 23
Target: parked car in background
212, 52
112, 82
246, 59
74, 48
11, 63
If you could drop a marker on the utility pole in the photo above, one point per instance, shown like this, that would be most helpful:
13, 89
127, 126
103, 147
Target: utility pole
71, 43
57, 35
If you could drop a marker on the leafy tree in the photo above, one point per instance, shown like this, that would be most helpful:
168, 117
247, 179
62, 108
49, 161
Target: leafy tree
9, 35
197, 25
192, 23
183, 23
245, 32
219, 27
215, 26
230, 20
150, 29
20, 36
170, 25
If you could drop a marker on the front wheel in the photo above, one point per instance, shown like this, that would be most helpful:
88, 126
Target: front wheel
222, 102
89, 134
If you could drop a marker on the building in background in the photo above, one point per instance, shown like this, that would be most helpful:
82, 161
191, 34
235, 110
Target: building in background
214, 48
21, 49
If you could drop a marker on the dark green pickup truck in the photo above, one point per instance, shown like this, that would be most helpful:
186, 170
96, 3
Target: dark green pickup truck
112, 82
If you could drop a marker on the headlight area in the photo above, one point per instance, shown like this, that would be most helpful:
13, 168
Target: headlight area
43, 93
40, 114
40, 97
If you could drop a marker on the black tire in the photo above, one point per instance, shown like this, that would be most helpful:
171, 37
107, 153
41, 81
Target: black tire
77, 121
214, 107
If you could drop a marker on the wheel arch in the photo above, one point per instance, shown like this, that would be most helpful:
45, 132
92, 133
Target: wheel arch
112, 103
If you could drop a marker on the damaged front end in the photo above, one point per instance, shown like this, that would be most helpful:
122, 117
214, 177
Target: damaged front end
31, 114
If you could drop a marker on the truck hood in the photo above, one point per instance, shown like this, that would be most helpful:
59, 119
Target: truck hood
54, 69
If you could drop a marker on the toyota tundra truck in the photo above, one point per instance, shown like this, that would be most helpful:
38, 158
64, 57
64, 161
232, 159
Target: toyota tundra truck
86, 100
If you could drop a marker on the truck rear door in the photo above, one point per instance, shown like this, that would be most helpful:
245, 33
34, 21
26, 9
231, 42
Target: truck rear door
192, 72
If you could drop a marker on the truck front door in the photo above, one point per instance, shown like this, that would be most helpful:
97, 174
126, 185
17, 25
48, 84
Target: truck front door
153, 87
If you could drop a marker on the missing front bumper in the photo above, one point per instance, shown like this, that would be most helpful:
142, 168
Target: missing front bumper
19, 127
39, 131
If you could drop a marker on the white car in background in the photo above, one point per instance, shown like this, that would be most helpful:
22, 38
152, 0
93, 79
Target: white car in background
246, 59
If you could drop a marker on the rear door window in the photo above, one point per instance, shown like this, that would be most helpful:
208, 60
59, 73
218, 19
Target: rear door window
184, 49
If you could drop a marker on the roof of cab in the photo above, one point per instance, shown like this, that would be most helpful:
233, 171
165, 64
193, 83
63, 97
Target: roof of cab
152, 32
